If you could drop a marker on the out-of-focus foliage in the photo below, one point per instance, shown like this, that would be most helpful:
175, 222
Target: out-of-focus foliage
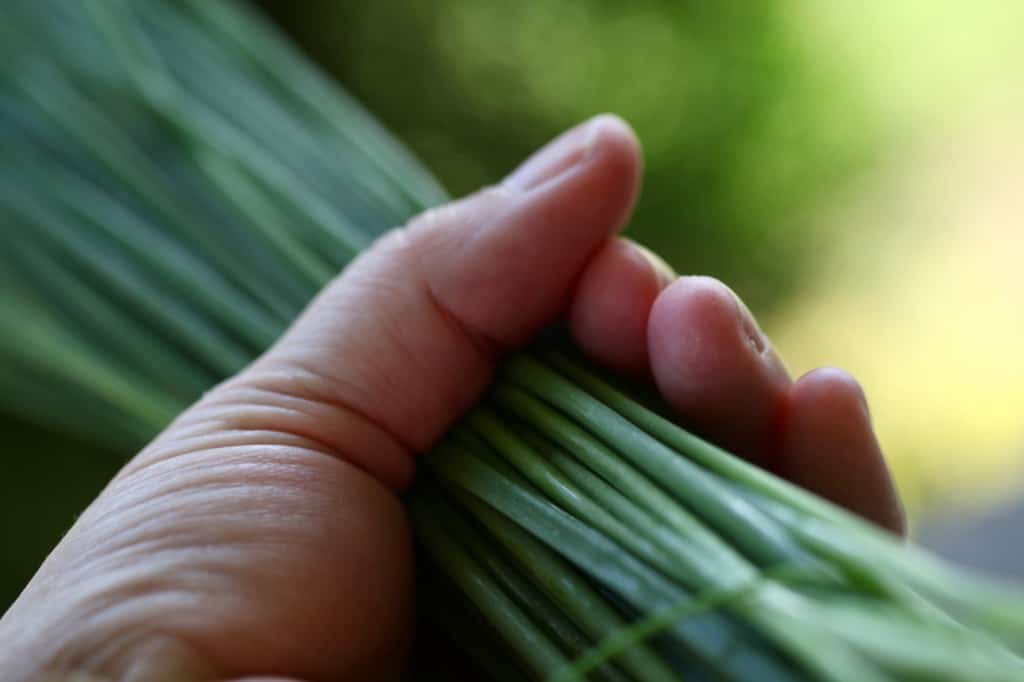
746, 129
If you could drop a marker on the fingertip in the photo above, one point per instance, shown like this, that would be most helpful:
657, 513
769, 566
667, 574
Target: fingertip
833, 390
685, 317
829, 446
713, 364
611, 169
512, 268
610, 306
615, 142
605, 136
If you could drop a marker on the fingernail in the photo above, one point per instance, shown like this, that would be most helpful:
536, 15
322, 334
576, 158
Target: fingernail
555, 158
756, 339
662, 270
752, 332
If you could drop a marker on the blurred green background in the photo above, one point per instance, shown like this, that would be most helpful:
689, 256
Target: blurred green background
853, 171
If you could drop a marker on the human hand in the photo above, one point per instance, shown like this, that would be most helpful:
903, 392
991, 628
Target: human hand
262, 532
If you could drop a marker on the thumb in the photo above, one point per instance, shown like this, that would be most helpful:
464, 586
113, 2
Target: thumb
405, 340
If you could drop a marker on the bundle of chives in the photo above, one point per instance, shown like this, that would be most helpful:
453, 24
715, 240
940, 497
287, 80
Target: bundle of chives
661, 523
589, 534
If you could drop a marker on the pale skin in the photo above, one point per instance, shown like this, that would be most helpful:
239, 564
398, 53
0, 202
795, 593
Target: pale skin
261, 536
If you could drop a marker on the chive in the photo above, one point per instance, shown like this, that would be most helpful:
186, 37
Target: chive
710, 637
570, 590
750, 529
701, 560
45, 345
713, 458
296, 77
98, 135
620, 475
443, 608
124, 278
623, 641
570, 639
262, 216
987, 604
519, 631
564, 493
165, 257
158, 361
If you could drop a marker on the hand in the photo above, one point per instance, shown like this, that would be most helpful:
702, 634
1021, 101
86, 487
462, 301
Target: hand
262, 533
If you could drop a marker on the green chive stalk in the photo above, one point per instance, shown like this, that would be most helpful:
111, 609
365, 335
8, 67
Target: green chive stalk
153, 153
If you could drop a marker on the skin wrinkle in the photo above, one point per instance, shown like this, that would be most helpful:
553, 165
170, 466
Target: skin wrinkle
175, 649
243, 517
194, 572
341, 431
331, 388
174, 655
169, 559
149, 530
414, 357
215, 438
269, 383
97, 613
487, 348
280, 468
307, 420
410, 246
198, 459
242, 425
296, 373
170, 658
331, 391
217, 418
178, 501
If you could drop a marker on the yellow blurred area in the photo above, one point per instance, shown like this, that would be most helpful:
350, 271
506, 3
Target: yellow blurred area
921, 292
